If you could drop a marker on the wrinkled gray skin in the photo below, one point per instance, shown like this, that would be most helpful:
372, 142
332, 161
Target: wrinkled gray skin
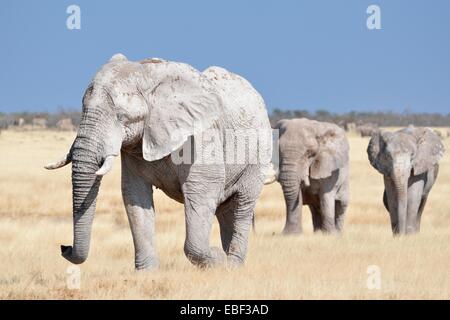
408, 160
146, 111
313, 171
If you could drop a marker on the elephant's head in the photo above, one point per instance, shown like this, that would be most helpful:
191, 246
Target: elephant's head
400, 155
310, 149
155, 103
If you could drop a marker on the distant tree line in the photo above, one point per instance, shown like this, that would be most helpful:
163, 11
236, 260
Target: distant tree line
385, 119
9, 119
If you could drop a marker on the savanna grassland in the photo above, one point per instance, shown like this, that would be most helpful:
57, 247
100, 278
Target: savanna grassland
36, 217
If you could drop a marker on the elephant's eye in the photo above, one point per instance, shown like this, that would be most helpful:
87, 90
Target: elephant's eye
310, 154
121, 117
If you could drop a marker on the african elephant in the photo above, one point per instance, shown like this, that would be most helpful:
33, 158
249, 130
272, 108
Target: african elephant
314, 171
171, 124
408, 159
366, 130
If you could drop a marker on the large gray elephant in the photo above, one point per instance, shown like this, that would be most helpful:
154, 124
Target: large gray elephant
314, 171
171, 124
408, 159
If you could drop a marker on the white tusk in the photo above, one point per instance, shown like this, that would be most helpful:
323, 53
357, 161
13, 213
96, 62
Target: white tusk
306, 181
271, 175
60, 163
106, 167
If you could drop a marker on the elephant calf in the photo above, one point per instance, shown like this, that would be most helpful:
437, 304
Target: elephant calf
408, 159
314, 171
172, 126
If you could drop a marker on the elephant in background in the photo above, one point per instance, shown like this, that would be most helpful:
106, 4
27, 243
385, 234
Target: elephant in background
156, 114
367, 129
313, 170
408, 159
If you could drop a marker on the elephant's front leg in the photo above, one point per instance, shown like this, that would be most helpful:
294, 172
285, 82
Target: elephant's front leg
138, 199
390, 203
415, 196
327, 210
316, 217
342, 204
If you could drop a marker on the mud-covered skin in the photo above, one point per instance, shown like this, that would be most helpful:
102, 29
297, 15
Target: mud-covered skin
148, 111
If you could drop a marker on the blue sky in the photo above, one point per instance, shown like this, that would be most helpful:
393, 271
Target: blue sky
311, 55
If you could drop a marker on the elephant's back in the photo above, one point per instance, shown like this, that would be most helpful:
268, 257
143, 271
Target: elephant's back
243, 106
244, 117
302, 128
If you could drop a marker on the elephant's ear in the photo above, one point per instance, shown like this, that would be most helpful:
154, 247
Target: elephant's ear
182, 103
376, 150
429, 150
281, 125
332, 154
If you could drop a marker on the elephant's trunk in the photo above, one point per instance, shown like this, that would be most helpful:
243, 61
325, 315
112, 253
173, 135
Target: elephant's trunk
85, 185
290, 183
85, 189
98, 141
401, 190
293, 198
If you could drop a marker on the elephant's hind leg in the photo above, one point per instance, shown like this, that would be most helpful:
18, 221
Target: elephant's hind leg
200, 204
225, 217
235, 219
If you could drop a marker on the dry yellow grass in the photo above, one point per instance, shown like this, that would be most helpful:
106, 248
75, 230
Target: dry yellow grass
35, 218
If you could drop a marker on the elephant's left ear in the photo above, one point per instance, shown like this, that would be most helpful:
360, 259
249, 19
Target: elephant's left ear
429, 150
182, 103
332, 154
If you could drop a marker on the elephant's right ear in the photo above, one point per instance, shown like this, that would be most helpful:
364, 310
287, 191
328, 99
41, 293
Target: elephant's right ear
429, 150
375, 152
182, 103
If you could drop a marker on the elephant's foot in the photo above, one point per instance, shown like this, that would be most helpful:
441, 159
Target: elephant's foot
329, 231
234, 261
149, 264
292, 229
411, 230
215, 257
220, 258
